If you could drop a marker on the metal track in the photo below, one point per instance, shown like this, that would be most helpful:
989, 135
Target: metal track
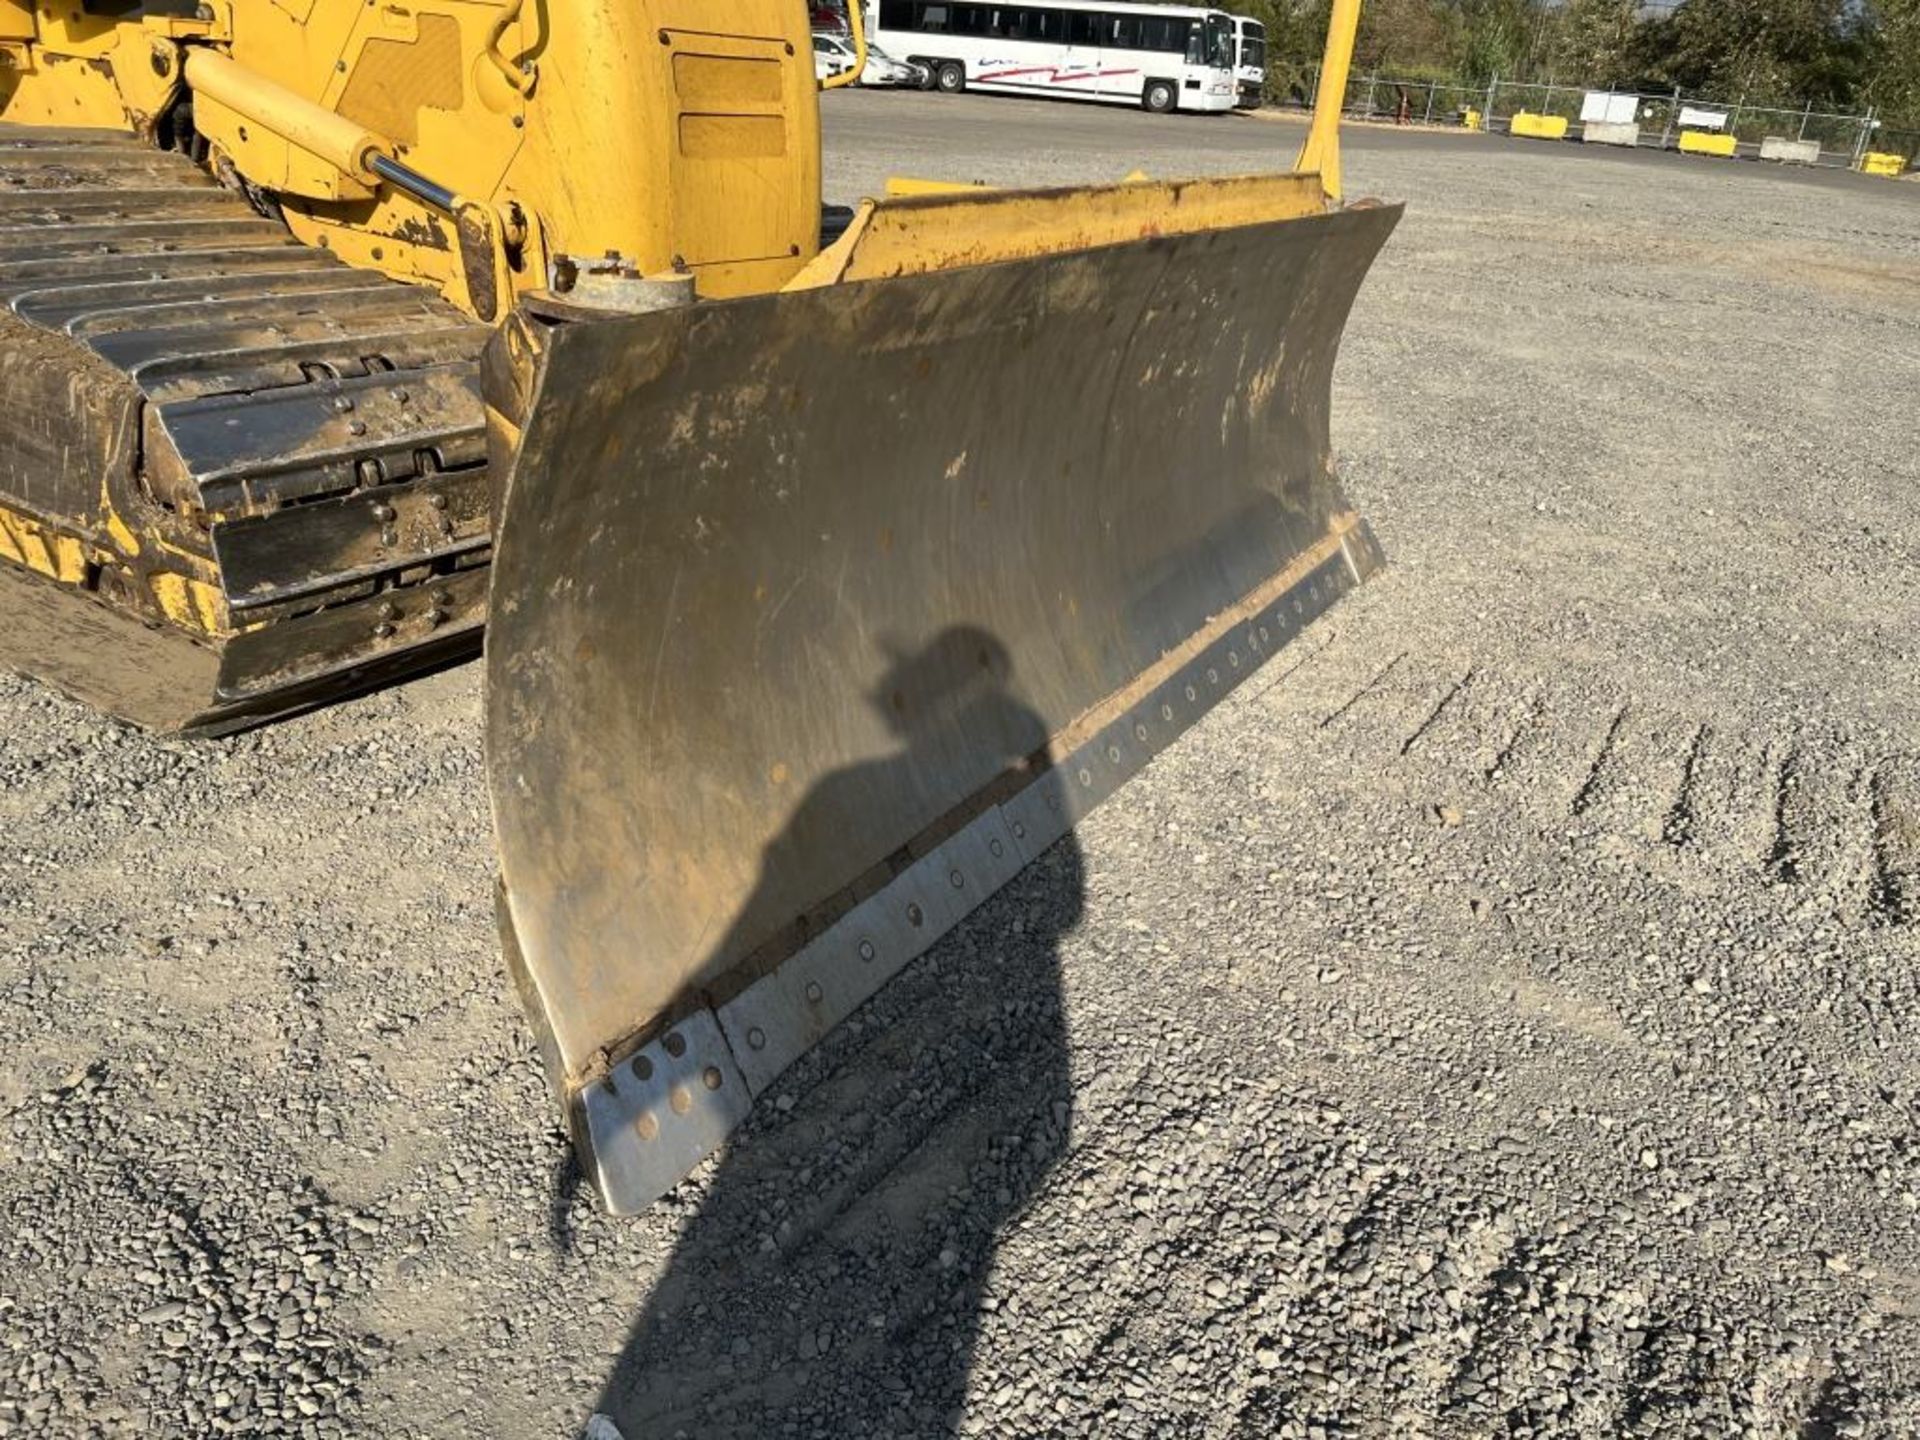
306, 435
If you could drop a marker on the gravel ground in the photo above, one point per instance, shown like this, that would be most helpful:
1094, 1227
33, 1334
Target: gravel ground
1499, 1017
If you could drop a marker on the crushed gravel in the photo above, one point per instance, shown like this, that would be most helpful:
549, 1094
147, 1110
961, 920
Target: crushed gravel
1500, 1017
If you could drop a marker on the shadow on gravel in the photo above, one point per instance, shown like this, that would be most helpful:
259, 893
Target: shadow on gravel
833, 1280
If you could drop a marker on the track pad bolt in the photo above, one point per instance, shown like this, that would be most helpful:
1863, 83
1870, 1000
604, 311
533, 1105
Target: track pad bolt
389, 536
389, 611
342, 403
436, 615
382, 630
383, 513
437, 501
356, 427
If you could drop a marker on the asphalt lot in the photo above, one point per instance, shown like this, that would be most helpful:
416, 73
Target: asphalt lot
1030, 138
1498, 1018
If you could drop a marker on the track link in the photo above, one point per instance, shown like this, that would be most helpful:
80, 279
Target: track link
220, 433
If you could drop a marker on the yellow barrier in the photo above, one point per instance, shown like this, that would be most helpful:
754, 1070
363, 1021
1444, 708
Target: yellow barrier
1471, 119
1539, 127
1702, 142
1878, 162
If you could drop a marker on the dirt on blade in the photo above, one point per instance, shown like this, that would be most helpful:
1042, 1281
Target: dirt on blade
1515, 1036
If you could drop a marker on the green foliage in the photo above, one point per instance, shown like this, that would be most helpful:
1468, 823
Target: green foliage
1402, 37
1595, 43
1779, 50
1839, 54
1497, 37
1890, 59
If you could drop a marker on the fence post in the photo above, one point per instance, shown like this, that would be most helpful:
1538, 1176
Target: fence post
1486, 117
1673, 116
1430, 90
1866, 133
1803, 121
1313, 95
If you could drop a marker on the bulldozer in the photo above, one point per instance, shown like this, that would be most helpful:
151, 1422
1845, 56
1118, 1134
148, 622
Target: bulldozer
832, 564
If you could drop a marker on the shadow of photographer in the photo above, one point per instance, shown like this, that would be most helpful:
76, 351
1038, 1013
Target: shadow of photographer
832, 1281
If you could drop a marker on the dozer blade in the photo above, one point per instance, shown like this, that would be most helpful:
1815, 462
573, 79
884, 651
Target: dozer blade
816, 616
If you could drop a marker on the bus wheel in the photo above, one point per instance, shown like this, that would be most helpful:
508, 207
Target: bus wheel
1159, 96
951, 77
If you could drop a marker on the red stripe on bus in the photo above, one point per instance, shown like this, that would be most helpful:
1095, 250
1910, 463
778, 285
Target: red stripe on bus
1054, 77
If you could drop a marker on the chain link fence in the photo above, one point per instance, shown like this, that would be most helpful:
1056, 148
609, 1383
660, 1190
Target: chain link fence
1843, 138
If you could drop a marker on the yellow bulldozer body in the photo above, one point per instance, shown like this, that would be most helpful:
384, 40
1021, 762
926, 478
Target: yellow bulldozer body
544, 121
829, 572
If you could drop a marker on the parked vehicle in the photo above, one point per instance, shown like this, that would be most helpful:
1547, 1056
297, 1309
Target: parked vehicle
1249, 62
830, 57
881, 68
1164, 57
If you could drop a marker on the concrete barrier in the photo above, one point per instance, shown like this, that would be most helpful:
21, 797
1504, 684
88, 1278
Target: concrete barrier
1876, 162
1702, 142
1790, 152
1610, 132
1538, 127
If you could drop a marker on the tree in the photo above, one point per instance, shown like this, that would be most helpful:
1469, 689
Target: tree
1790, 51
1406, 37
1595, 42
1890, 60
1497, 37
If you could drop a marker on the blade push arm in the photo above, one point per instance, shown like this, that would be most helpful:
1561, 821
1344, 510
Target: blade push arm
1321, 152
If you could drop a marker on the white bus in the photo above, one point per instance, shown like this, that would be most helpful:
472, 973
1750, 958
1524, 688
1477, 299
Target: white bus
1165, 57
1249, 60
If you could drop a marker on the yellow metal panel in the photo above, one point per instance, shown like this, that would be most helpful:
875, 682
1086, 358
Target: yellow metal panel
397, 76
915, 234
16, 20
898, 185
26, 542
1320, 153
1539, 127
715, 82
190, 603
731, 137
1876, 162
1701, 142
120, 532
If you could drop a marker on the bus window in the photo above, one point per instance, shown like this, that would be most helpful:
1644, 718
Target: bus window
1083, 28
1047, 25
898, 14
1123, 32
968, 20
1159, 34
1220, 42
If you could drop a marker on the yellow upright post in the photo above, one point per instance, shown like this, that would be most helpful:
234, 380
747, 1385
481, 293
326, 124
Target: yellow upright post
1322, 150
